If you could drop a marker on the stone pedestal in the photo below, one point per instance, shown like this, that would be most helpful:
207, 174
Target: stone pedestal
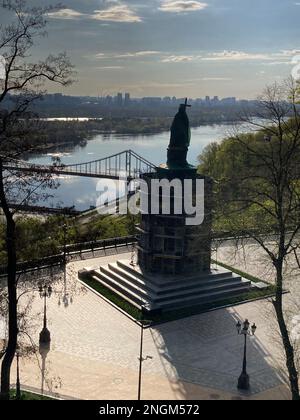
173, 268
166, 244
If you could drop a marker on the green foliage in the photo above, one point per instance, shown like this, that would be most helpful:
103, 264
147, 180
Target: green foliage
38, 238
29, 396
244, 168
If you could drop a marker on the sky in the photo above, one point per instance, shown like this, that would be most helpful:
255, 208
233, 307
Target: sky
175, 47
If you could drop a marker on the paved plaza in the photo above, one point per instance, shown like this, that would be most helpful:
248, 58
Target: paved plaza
95, 349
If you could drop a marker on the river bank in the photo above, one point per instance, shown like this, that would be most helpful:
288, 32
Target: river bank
63, 135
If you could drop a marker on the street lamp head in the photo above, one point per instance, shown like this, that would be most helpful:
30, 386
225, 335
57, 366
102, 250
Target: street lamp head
49, 291
18, 350
41, 290
66, 301
246, 324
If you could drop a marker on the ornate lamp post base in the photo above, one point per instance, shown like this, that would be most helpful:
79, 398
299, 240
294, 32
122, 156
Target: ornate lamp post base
45, 336
244, 382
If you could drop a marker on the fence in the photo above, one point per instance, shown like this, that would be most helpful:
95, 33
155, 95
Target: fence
71, 252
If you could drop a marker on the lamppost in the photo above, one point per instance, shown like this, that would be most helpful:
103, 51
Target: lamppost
66, 295
44, 350
245, 330
45, 293
133, 256
18, 382
65, 228
144, 324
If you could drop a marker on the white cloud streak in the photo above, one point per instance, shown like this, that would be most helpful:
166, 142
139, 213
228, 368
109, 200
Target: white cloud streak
116, 12
283, 57
136, 54
180, 58
179, 6
275, 58
66, 14
235, 56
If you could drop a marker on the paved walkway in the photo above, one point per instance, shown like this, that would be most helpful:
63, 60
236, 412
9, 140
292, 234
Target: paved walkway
95, 349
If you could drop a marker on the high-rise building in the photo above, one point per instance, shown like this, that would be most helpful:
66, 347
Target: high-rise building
119, 99
127, 98
229, 101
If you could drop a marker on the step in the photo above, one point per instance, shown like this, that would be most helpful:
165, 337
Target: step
126, 283
204, 291
168, 280
182, 283
183, 286
123, 292
148, 285
183, 290
137, 305
201, 289
198, 300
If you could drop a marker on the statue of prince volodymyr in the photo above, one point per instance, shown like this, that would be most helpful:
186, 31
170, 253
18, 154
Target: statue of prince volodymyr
180, 139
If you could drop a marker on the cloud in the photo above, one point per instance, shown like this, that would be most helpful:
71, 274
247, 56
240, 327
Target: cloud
235, 56
277, 63
283, 57
66, 14
276, 58
137, 54
177, 6
117, 13
110, 68
180, 58
288, 53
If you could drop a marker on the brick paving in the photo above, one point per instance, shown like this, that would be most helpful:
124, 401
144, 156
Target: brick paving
95, 349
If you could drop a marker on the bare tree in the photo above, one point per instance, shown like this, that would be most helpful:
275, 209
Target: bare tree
258, 191
24, 83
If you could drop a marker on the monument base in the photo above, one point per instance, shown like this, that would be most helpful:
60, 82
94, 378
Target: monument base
157, 293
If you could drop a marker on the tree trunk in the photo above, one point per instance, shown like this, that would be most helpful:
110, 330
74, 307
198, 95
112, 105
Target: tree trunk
12, 293
288, 347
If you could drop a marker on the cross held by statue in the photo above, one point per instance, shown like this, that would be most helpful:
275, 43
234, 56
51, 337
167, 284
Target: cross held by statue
186, 105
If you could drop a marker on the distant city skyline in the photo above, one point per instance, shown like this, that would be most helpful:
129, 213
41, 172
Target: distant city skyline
174, 47
127, 97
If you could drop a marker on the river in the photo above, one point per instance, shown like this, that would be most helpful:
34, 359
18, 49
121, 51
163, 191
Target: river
81, 192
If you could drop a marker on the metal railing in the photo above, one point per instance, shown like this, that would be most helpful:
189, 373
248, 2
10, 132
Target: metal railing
71, 251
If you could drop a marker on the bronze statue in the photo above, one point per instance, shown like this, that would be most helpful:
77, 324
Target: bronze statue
180, 139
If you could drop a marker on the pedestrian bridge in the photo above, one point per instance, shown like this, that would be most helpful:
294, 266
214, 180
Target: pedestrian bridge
126, 165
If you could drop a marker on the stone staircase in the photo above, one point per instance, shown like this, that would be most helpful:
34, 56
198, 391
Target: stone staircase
166, 293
